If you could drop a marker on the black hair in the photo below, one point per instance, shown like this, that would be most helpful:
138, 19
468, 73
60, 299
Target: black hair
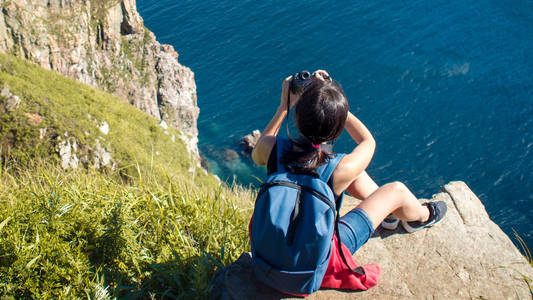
320, 115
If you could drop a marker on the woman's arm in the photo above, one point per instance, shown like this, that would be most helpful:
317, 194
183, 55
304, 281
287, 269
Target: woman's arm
266, 142
354, 163
358, 130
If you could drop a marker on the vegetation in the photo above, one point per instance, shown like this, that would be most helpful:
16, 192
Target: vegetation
67, 106
130, 48
155, 226
99, 8
527, 254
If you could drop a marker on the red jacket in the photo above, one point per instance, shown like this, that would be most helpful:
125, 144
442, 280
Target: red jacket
339, 276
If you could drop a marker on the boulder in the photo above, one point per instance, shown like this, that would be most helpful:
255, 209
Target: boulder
104, 127
71, 153
230, 155
466, 256
102, 157
10, 101
67, 154
250, 140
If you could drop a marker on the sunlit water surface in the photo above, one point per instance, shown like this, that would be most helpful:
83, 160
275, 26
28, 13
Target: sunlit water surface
445, 86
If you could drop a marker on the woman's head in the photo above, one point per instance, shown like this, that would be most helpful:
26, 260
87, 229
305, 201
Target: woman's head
320, 115
321, 112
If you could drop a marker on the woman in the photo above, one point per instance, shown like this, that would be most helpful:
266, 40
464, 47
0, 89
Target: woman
321, 113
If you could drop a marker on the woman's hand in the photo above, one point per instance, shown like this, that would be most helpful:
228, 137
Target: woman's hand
322, 75
285, 93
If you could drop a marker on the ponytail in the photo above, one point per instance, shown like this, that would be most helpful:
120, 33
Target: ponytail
303, 158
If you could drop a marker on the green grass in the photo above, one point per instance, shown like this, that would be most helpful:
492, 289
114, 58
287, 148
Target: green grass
149, 228
69, 106
527, 254
62, 232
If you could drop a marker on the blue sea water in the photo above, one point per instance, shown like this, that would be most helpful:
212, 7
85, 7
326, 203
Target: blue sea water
445, 86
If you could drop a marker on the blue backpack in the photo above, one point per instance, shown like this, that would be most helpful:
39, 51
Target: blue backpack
292, 227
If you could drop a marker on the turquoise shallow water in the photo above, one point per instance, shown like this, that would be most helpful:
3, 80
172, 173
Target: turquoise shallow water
444, 86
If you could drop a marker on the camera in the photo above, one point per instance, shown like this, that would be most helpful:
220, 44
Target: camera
300, 81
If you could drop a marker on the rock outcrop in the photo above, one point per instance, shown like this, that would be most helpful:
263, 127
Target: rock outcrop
104, 43
72, 155
466, 256
250, 140
11, 102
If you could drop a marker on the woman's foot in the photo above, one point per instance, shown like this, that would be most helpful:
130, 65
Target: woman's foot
437, 210
390, 222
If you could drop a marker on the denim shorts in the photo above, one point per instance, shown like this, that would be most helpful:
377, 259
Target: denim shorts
355, 228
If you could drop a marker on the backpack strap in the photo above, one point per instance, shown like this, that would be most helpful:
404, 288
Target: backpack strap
282, 145
359, 270
325, 174
326, 170
272, 164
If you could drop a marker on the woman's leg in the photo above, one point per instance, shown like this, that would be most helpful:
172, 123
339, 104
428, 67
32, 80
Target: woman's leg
356, 227
362, 187
393, 198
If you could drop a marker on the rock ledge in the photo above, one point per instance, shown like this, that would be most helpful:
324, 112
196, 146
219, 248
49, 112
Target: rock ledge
466, 256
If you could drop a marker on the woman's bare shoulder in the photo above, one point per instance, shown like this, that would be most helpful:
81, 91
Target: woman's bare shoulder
262, 149
343, 174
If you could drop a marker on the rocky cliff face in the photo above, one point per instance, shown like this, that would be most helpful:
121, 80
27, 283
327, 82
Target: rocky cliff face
104, 43
466, 256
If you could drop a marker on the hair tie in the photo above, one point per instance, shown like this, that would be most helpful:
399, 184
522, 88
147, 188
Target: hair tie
315, 146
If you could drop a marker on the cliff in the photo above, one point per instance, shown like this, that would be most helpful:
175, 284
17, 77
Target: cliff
104, 43
466, 256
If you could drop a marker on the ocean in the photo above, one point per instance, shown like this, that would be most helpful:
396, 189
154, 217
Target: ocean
446, 87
